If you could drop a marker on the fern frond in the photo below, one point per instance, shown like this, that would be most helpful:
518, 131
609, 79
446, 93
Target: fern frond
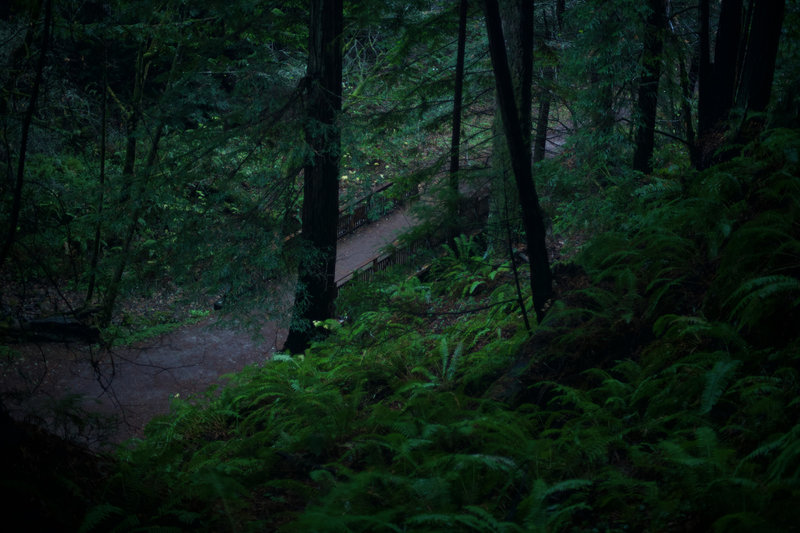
476, 519
538, 515
659, 189
676, 453
750, 296
716, 381
679, 327
99, 514
788, 445
569, 395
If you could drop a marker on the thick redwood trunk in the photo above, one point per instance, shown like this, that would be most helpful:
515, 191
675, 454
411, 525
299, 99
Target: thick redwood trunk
316, 292
762, 51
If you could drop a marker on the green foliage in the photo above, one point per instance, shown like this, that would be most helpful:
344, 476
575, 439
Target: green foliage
660, 394
386, 425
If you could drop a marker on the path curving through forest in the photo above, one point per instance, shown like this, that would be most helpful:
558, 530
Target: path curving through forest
132, 384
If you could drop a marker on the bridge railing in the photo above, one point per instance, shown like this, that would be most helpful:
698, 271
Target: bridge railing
357, 213
399, 254
403, 254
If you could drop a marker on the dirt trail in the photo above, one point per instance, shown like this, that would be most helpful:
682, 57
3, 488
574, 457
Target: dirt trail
138, 382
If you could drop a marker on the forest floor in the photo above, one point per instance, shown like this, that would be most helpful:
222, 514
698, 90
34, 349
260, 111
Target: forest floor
96, 396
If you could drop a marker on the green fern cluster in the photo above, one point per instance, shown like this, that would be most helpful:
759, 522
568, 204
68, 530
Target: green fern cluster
713, 270
655, 397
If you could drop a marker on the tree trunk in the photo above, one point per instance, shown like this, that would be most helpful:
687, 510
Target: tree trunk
16, 204
517, 25
545, 94
718, 79
687, 88
102, 182
519, 149
458, 89
648, 86
543, 116
455, 141
110, 297
316, 290
744, 65
129, 176
761, 54
705, 70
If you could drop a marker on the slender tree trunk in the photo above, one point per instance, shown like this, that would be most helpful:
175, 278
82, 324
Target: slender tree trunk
519, 149
648, 86
687, 88
316, 291
516, 18
705, 70
545, 94
112, 293
543, 116
16, 205
128, 197
455, 141
100, 201
454, 198
520, 24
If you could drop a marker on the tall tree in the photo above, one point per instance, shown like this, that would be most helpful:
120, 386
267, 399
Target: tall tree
741, 75
316, 288
546, 90
518, 140
647, 102
516, 17
458, 90
758, 68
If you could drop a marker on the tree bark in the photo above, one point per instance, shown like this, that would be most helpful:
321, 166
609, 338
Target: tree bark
647, 102
519, 149
726, 53
762, 51
316, 290
519, 24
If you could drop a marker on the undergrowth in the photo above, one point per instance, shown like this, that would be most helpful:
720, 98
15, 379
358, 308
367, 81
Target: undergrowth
660, 394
